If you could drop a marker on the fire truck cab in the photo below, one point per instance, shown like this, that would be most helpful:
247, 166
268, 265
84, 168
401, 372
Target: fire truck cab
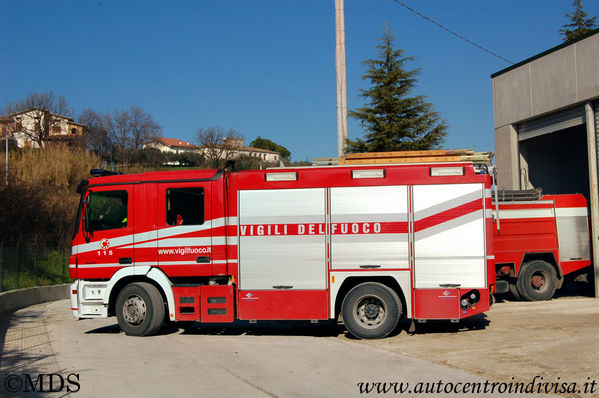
368, 244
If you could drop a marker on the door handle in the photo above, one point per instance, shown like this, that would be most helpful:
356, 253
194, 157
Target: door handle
370, 266
450, 285
125, 260
202, 259
282, 287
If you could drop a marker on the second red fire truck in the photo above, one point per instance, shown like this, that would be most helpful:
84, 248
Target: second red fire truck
368, 244
538, 241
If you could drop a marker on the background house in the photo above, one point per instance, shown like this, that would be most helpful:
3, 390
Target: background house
237, 149
30, 127
171, 145
233, 148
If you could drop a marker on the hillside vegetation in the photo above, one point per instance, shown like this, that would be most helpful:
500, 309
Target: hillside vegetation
39, 203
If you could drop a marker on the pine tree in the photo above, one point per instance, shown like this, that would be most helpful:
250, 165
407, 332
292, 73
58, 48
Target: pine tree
393, 120
581, 23
265, 143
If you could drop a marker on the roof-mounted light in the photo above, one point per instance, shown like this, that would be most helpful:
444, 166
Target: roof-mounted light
446, 171
288, 176
103, 173
371, 173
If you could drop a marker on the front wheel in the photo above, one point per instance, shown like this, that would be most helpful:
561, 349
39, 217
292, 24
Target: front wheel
536, 281
371, 310
140, 309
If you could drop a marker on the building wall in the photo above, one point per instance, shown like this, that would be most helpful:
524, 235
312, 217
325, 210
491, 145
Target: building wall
561, 78
271, 157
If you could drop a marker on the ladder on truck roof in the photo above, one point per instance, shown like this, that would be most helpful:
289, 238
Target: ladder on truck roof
517, 195
399, 157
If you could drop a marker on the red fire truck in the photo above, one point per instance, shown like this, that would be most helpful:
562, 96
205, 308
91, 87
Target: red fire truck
538, 241
371, 244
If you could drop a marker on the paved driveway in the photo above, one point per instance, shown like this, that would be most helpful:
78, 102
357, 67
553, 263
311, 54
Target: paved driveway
267, 360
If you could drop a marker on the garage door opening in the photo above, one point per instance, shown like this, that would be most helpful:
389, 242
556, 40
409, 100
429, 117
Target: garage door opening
556, 162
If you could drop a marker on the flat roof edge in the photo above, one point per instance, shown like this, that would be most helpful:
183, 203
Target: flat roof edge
540, 55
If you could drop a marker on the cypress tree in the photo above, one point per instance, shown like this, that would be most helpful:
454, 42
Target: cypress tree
394, 120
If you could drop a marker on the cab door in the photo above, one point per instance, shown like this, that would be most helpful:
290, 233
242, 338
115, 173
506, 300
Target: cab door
185, 228
107, 231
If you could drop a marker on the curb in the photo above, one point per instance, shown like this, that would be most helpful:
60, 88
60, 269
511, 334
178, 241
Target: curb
21, 298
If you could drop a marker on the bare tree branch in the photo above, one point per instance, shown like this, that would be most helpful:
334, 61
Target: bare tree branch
143, 127
218, 144
97, 136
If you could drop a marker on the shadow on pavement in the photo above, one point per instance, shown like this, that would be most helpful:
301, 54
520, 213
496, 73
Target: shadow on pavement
476, 322
301, 328
22, 334
238, 328
25, 354
269, 328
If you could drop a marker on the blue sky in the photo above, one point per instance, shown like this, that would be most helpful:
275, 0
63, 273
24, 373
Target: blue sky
265, 67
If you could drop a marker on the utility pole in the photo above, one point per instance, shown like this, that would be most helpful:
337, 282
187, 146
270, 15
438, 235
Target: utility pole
6, 153
341, 80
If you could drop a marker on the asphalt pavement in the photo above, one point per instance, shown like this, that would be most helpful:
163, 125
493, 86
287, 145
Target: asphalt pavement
93, 358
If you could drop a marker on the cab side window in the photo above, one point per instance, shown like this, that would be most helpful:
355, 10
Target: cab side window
185, 206
107, 210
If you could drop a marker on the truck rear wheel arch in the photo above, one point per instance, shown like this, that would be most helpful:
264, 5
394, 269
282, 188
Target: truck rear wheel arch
353, 281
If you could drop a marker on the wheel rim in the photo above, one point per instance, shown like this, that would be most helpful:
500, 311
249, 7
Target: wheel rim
538, 281
134, 310
370, 312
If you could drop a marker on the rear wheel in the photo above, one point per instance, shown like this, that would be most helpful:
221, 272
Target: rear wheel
536, 281
514, 291
371, 310
140, 309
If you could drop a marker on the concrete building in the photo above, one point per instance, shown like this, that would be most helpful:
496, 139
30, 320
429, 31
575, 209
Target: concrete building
546, 112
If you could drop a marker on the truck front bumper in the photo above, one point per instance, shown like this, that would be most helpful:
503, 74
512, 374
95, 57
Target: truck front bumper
88, 299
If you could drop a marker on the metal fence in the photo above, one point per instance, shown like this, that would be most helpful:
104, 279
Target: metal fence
22, 266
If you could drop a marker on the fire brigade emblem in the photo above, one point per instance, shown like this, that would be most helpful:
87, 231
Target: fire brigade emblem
104, 244
249, 297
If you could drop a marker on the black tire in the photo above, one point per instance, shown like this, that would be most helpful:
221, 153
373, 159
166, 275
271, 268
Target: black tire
514, 292
140, 309
371, 310
536, 281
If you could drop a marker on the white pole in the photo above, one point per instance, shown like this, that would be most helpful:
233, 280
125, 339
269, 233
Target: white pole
341, 79
6, 142
592, 151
